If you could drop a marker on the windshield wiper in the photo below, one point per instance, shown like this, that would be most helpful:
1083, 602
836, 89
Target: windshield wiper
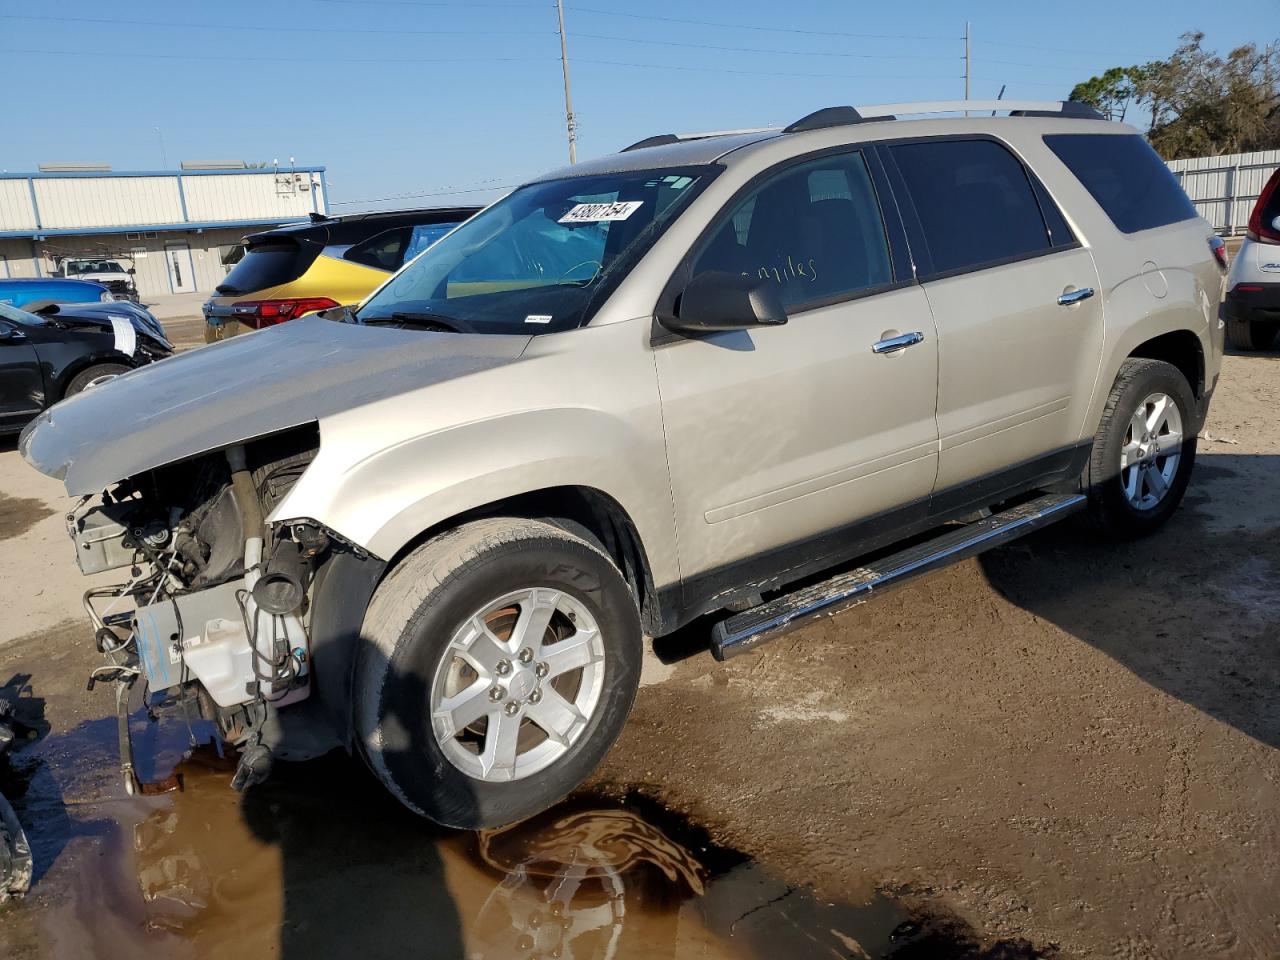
423, 321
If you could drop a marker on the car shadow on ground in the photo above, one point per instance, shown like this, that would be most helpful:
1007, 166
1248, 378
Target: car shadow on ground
1190, 609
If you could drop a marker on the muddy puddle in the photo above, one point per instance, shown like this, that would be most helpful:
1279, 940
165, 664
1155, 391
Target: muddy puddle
20, 514
320, 862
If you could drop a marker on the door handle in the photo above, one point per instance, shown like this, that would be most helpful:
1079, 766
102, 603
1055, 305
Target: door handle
900, 342
1075, 296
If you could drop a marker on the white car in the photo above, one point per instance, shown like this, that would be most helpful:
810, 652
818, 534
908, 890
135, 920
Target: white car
1252, 304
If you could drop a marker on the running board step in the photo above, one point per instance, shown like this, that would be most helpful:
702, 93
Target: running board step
747, 630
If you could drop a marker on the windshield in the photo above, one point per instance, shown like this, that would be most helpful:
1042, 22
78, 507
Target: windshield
541, 259
93, 266
20, 316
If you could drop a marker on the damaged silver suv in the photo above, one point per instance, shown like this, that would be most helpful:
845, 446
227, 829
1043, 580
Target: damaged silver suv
730, 382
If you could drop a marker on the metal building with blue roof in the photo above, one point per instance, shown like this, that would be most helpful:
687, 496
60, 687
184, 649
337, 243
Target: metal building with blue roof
179, 229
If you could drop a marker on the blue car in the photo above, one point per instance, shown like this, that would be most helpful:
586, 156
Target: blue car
32, 294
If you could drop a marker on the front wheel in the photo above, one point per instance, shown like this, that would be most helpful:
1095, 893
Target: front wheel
1144, 449
498, 664
93, 376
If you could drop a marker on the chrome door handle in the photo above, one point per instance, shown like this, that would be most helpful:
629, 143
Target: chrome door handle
892, 344
1075, 296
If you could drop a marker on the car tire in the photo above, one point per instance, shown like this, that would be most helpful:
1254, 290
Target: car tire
92, 376
1251, 334
1136, 475
421, 650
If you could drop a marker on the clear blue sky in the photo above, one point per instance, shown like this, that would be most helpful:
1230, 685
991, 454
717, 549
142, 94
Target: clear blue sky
400, 97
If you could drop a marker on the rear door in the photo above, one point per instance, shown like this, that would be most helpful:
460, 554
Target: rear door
1013, 296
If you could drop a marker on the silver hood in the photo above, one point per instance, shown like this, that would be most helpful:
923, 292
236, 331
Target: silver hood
246, 387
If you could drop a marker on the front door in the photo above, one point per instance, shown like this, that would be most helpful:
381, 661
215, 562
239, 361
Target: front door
1016, 367
778, 435
21, 385
181, 272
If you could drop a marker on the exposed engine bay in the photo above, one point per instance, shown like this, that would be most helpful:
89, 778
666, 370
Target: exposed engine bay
214, 616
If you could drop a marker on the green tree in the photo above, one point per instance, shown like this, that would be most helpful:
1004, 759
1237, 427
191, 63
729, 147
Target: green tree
1112, 93
1200, 103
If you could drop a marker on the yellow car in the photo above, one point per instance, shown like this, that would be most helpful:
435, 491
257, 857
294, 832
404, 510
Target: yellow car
325, 262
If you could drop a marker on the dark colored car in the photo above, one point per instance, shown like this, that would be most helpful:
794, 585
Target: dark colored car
67, 348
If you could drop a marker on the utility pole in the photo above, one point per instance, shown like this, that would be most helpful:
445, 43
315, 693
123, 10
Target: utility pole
164, 154
966, 60
570, 123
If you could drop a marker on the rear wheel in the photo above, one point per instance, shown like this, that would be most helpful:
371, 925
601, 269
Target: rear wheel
1144, 449
498, 663
93, 376
1251, 334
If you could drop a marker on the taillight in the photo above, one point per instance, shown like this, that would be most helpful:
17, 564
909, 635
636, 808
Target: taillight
265, 313
1268, 232
1219, 248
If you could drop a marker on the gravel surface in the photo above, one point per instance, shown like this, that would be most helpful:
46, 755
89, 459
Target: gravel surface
1065, 742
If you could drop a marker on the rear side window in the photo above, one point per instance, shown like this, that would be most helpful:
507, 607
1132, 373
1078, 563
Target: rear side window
268, 265
813, 229
384, 251
1131, 184
974, 201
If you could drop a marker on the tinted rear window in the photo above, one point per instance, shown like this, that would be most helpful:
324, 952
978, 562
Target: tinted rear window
1125, 176
974, 201
268, 265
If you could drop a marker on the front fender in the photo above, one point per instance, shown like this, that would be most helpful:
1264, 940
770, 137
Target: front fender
389, 498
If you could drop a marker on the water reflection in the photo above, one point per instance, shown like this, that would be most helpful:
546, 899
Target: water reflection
321, 862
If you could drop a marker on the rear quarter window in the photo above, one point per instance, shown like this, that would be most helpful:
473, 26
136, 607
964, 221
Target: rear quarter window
1126, 177
268, 265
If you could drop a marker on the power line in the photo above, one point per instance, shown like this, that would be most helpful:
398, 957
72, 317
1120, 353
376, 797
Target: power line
436, 192
1060, 49
795, 53
1024, 83
435, 3
113, 21
116, 55
764, 73
761, 27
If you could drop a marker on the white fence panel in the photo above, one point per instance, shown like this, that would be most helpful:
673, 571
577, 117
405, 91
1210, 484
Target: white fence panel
1224, 189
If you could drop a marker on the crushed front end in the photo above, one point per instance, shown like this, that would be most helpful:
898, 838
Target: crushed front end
214, 615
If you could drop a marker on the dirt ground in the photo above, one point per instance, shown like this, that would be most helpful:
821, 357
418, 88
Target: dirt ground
1065, 748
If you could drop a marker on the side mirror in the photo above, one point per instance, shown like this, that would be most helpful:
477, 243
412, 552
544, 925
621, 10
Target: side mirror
718, 300
132, 271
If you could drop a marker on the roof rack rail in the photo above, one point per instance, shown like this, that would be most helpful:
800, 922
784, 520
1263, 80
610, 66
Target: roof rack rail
1016, 108
662, 139
826, 117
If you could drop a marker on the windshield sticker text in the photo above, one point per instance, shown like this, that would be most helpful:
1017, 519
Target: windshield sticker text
538, 318
601, 212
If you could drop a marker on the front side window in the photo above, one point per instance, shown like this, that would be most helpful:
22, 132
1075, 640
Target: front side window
541, 259
974, 201
813, 229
